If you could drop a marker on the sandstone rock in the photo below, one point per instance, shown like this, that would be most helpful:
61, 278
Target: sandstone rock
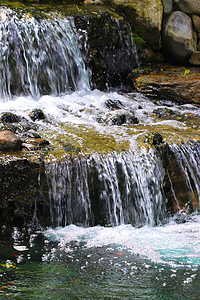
175, 84
9, 141
145, 17
167, 6
180, 40
188, 6
195, 58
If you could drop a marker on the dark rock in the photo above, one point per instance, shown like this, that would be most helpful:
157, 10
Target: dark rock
111, 52
113, 104
157, 139
9, 117
119, 120
128, 119
37, 114
19, 186
9, 141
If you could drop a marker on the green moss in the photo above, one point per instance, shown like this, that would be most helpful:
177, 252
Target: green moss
140, 42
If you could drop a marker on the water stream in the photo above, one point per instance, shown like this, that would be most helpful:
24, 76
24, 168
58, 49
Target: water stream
123, 214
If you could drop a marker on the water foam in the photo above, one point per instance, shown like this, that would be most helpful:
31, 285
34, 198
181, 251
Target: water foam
173, 244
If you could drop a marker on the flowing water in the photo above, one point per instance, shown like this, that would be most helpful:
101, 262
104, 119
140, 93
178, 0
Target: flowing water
108, 192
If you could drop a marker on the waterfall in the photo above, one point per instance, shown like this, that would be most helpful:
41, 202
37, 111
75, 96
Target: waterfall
135, 188
39, 55
187, 158
110, 189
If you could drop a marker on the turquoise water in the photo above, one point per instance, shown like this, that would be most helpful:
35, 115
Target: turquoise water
102, 262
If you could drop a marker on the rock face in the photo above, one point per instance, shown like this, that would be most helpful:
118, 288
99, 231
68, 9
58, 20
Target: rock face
180, 40
9, 141
176, 84
188, 6
110, 52
145, 18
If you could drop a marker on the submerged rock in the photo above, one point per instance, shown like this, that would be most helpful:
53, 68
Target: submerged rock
9, 141
179, 39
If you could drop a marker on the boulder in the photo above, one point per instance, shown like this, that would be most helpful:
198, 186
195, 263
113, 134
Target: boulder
9, 141
179, 40
145, 18
188, 6
167, 6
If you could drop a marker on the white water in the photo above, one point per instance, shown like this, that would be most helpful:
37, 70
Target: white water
111, 189
39, 55
89, 109
177, 245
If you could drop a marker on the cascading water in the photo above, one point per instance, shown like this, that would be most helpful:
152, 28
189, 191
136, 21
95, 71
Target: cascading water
107, 189
105, 170
39, 55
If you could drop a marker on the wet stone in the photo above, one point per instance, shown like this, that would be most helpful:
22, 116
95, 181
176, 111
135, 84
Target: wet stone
113, 104
8, 117
157, 139
124, 119
37, 114
154, 139
119, 120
